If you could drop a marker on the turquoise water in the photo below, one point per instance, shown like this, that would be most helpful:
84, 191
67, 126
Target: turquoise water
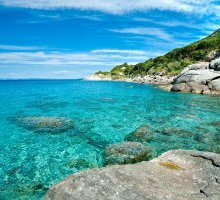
101, 113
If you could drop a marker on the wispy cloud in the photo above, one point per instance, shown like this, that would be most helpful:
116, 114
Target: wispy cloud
19, 48
135, 52
178, 23
154, 32
100, 57
55, 18
117, 6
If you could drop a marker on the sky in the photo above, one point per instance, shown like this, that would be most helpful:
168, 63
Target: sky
70, 39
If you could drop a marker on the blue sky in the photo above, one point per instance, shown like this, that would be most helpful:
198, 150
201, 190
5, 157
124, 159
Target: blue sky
74, 38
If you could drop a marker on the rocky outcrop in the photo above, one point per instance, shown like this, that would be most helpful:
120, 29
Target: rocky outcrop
212, 55
215, 64
126, 153
176, 174
200, 78
98, 77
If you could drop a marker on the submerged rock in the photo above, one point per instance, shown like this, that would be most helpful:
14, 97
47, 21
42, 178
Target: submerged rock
175, 175
46, 104
44, 124
142, 134
81, 163
126, 152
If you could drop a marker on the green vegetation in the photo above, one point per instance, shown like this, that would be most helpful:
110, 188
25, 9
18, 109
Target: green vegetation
173, 62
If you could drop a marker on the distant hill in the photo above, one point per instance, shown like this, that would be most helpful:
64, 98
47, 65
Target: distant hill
171, 63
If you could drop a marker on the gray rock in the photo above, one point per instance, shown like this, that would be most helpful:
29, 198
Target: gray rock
215, 85
212, 55
201, 81
126, 153
215, 65
181, 87
175, 175
200, 65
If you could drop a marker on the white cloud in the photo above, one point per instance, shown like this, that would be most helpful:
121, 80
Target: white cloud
155, 32
19, 48
116, 6
135, 52
188, 24
100, 57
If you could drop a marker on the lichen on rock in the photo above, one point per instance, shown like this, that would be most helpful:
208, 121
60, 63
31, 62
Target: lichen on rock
191, 175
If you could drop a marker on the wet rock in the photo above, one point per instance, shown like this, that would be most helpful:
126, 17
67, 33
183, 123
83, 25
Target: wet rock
44, 124
142, 134
176, 174
126, 152
181, 87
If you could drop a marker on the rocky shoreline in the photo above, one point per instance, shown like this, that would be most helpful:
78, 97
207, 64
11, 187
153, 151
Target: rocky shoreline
199, 78
176, 174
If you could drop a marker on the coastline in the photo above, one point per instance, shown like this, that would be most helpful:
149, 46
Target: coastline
200, 78
163, 82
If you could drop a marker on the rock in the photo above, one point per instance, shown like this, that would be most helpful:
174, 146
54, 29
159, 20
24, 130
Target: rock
175, 175
166, 86
81, 163
202, 81
215, 65
200, 65
44, 124
142, 134
212, 55
125, 153
215, 85
98, 77
181, 87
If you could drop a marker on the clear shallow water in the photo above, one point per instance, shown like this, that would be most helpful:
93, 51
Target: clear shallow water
103, 113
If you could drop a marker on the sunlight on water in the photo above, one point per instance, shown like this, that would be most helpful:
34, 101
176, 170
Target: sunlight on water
50, 129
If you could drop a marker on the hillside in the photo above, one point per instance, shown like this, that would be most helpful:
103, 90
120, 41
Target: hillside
171, 63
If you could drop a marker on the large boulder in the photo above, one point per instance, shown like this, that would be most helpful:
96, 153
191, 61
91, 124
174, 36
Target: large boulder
202, 81
215, 65
125, 153
181, 87
175, 175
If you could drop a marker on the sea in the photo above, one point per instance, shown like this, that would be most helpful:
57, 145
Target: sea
91, 115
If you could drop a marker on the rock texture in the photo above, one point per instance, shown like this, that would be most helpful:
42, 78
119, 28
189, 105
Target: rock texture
43, 124
200, 78
175, 175
126, 153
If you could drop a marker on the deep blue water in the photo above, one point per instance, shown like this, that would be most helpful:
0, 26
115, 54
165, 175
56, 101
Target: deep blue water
103, 113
